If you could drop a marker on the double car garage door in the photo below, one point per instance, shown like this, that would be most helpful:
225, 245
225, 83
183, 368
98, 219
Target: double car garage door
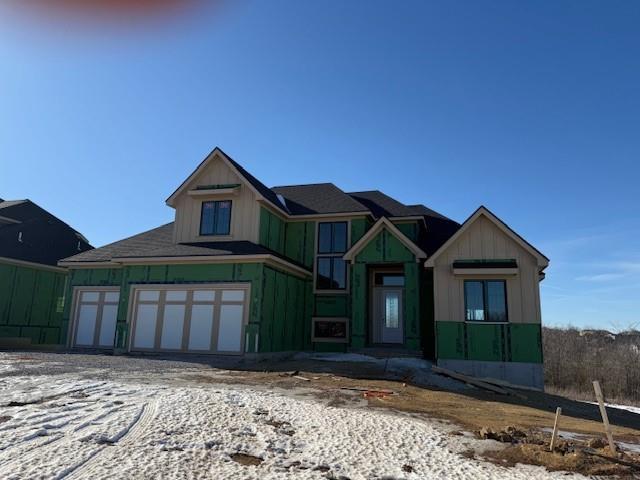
197, 319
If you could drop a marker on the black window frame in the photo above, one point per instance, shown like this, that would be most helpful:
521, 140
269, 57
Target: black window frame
215, 214
485, 300
334, 254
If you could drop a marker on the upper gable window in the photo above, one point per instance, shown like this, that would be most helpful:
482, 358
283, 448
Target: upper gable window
215, 218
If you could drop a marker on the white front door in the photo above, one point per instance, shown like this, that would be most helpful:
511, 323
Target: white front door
388, 319
96, 317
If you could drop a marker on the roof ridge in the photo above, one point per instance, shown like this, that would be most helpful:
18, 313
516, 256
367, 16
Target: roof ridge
307, 185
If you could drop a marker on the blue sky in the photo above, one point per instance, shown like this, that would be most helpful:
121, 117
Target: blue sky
532, 109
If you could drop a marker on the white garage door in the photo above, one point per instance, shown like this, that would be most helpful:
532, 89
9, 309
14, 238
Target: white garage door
197, 319
96, 316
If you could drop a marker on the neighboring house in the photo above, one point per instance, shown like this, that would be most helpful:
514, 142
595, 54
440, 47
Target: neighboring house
245, 269
32, 286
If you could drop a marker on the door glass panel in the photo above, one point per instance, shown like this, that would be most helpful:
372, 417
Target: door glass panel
176, 296
145, 333
111, 297
233, 295
149, 295
108, 325
230, 332
201, 327
90, 296
204, 296
391, 310
172, 324
86, 324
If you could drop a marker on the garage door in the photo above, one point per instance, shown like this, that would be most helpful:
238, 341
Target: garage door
198, 319
96, 315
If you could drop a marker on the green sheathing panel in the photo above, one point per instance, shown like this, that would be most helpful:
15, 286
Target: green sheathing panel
510, 342
272, 231
385, 248
359, 305
359, 227
31, 303
299, 241
412, 306
170, 274
285, 322
526, 342
410, 229
427, 307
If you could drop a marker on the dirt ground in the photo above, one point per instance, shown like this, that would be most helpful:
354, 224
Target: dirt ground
520, 423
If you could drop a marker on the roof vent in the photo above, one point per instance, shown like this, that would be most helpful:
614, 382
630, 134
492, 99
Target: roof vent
78, 247
20, 237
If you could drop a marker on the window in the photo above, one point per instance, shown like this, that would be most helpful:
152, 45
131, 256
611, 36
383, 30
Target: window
389, 279
330, 329
215, 218
331, 271
485, 300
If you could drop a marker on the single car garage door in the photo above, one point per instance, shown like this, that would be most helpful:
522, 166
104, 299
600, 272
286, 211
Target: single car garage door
196, 319
96, 314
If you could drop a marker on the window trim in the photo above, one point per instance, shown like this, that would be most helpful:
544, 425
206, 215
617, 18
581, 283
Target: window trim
316, 255
228, 234
484, 281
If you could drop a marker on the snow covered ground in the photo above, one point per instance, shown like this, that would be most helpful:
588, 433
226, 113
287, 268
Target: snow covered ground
95, 422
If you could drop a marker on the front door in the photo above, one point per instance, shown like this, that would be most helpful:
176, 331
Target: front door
387, 311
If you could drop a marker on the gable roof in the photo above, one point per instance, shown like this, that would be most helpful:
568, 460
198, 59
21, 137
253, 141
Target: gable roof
318, 198
261, 190
542, 260
29, 233
382, 224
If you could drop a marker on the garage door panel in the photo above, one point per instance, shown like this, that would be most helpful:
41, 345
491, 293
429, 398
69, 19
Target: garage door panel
145, 333
172, 326
108, 325
200, 319
201, 328
87, 316
230, 331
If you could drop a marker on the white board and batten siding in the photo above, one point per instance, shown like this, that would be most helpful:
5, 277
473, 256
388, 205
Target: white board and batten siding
484, 240
206, 319
245, 210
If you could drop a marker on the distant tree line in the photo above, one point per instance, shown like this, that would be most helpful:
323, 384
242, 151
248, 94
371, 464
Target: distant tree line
574, 358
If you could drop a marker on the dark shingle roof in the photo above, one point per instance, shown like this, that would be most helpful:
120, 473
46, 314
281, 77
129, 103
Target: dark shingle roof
35, 235
158, 242
265, 191
318, 198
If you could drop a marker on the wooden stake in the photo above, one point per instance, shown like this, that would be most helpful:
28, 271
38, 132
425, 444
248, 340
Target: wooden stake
603, 412
555, 428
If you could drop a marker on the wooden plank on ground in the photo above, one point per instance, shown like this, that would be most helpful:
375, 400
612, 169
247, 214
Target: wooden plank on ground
605, 417
470, 380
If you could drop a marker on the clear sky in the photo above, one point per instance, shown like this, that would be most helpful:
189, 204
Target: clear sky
530, 108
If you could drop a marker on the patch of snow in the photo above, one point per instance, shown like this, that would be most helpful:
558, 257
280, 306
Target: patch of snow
133, 430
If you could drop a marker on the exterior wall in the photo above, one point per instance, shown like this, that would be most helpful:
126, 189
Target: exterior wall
285, 322
31, 302
170, 274
519, 340
245, 210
